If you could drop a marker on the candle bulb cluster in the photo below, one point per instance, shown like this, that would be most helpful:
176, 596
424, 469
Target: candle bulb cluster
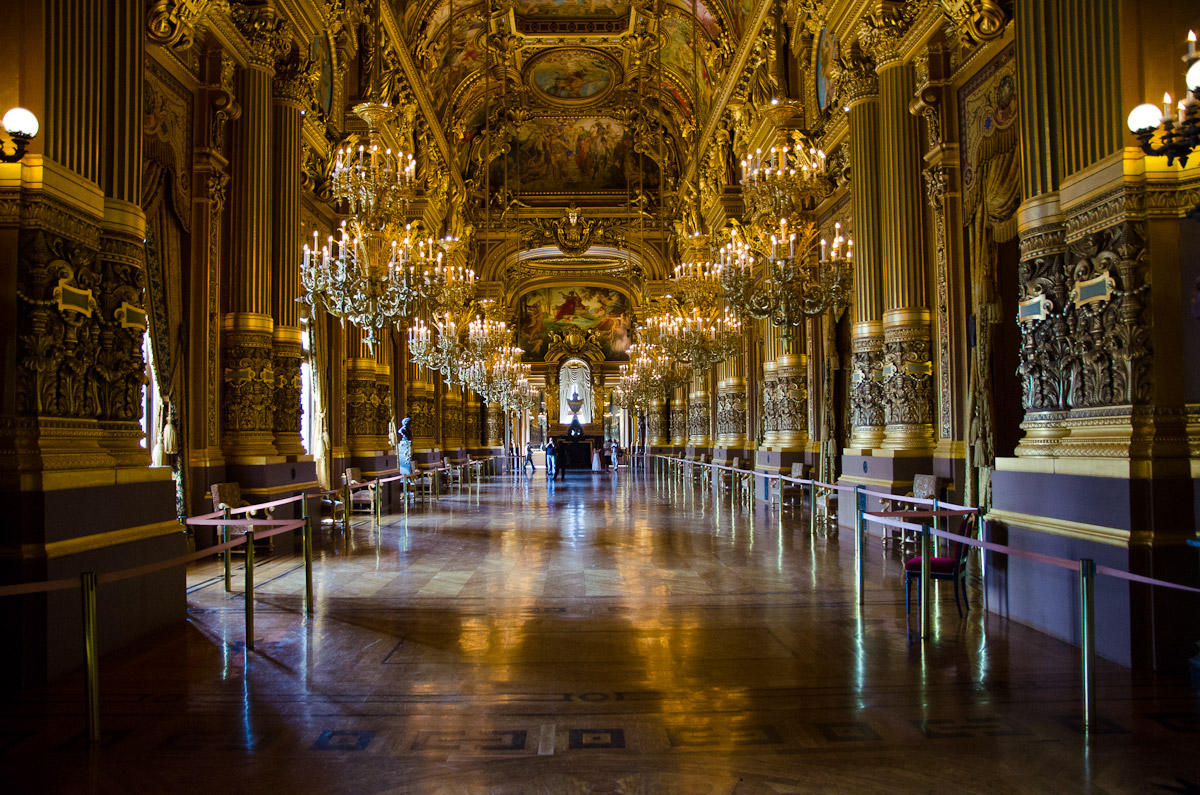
1174, 132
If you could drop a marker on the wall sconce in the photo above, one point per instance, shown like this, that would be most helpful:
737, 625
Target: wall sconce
22, 126
1175, 132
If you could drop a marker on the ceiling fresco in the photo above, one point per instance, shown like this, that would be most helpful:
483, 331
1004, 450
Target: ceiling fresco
572, 155
559, 66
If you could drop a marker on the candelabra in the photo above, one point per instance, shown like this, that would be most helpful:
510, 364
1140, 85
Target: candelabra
692, 337
785, 179
803, 277
1174, 135
367, 274
649, 372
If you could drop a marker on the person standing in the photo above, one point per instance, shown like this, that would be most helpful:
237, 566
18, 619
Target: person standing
551, 459
529, 458
560, 462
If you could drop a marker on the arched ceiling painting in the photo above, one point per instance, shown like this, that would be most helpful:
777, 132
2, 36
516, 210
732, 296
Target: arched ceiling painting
586, 79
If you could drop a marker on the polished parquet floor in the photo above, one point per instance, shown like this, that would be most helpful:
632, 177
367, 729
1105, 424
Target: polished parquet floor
606, 634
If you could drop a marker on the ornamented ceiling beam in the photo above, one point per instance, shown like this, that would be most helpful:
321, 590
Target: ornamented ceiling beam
416, 81
733, 76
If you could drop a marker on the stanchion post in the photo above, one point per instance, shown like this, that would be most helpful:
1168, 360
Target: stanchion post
227, 554
859, 575
91, 654
781, 502
1087, 637
925, 584
248, 596
308, 556
346, 507
812, 508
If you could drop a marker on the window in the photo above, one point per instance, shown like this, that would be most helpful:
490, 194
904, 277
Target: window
149, 398
306, 391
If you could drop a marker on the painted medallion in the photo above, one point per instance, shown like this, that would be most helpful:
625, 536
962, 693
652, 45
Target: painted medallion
572, 75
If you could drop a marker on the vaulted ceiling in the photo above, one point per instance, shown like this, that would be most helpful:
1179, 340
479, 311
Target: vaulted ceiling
580, 101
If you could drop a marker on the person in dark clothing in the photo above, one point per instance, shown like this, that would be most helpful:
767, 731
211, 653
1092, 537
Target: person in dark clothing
551, 458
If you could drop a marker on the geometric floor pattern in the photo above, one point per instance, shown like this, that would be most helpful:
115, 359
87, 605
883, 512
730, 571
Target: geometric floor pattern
606, 634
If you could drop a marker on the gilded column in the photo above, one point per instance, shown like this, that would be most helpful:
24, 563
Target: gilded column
1045, 342
249, 374
384, 417
658, 423
495, 425
791, 392
866, 388
769, 386
472, 429
120, 293
362, 403
679, 416
452, 421
699, 421
731, 403
420, 409
290, 96
907, 368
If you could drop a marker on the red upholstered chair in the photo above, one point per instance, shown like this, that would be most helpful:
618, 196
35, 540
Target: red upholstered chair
953, 568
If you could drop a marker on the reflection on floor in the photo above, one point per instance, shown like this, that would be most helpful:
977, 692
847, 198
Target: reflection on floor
602, 634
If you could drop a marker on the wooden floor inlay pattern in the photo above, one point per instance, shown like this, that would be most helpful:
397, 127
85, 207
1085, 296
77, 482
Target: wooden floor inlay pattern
603, 634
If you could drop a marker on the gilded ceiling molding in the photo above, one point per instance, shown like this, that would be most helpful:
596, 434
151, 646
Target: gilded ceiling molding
416, 82
172, 23
734, 74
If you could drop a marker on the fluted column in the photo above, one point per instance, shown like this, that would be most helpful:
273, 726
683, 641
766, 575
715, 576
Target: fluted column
290, 89
361, 400
384, 413
249, 375
866, 391
699, 421
907, 369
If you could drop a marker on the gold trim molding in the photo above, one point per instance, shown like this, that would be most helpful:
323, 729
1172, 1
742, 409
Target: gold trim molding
1097, 534
75, 546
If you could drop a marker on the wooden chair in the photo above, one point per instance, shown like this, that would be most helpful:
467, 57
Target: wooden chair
229, 495
953, 567
795, 490
361, 500
453, 471
926, 487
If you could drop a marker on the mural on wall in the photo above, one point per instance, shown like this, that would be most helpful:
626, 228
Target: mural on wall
553, 310
568, 155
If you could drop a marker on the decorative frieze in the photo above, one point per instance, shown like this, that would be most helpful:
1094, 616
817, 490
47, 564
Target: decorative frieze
249, 385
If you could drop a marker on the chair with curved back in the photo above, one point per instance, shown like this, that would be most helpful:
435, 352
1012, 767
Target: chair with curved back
361, 500
953, 568
229, 495
795, 491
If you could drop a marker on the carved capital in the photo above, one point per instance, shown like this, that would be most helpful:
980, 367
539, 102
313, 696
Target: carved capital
172, 23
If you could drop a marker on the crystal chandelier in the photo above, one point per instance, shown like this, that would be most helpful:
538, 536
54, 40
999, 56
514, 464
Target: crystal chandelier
1178, 132
365, 274
804, 277
785, 179
649, 372
459, 344
693, 337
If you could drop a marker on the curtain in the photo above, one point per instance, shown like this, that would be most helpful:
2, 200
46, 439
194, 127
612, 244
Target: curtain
164, 309
575, 379
993, 218
320, 363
